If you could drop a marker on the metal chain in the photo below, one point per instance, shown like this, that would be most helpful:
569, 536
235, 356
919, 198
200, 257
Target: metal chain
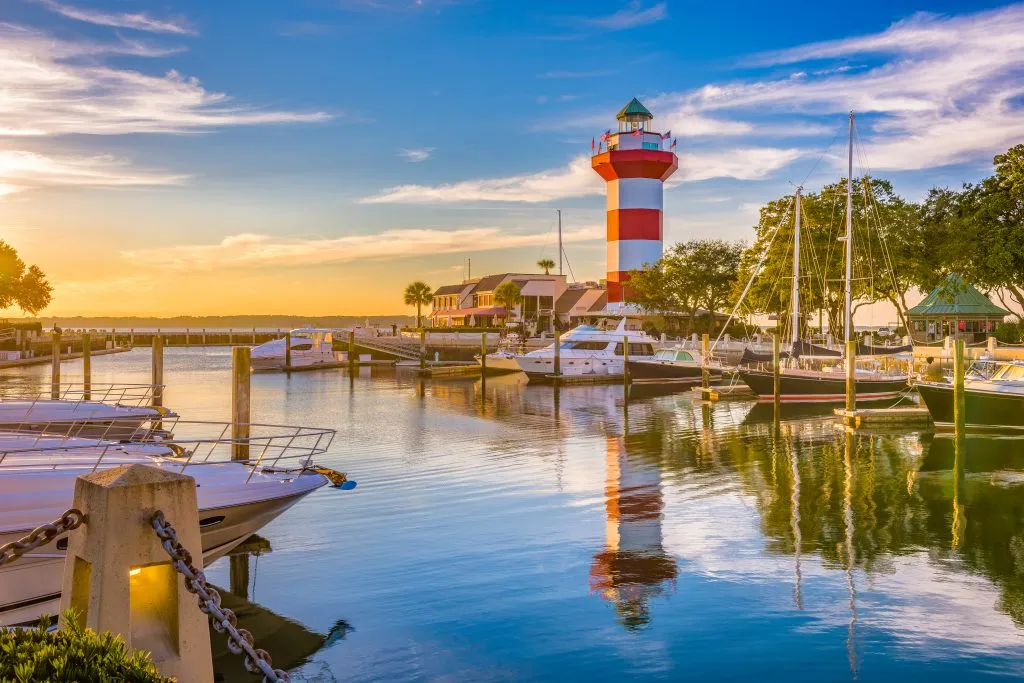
40, 536
223, 620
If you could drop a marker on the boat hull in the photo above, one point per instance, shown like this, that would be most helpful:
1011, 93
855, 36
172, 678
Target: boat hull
984, 410
540, 368
498, 363
815, 388
653, 369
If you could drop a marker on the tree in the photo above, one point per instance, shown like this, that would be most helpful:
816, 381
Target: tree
418, 294
547, 264
508, 295
23, 286
690, 276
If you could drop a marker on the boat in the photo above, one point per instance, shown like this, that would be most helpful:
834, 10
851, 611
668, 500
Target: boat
309, 346
504, 359
588, 350
993, 398
828, 384
673, 363
235, 498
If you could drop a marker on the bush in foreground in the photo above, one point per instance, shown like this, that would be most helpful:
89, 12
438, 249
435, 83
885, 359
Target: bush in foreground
71, 654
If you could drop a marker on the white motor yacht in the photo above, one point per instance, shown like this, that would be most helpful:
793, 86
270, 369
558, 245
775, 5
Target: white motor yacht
235, 498
309, 346
588, 350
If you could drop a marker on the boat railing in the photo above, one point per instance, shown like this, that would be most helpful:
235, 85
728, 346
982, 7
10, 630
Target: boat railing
260, 447
129, 395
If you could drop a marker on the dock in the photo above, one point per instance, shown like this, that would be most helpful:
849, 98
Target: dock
450, 370
48, 360
889, 417
734, 392
563, 380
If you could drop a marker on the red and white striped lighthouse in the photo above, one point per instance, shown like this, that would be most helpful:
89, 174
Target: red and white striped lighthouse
635, 166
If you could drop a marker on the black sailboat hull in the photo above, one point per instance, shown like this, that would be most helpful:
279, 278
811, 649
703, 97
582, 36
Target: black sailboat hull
811, 388
984, 410
649, 369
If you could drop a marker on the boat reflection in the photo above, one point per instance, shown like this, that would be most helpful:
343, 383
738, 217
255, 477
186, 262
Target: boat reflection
290, 643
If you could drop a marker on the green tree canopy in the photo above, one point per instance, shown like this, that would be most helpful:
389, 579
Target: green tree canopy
21, 285
688, 277
418, 294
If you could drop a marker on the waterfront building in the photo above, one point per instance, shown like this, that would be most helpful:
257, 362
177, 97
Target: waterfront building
471, 303
955, 309
634, 163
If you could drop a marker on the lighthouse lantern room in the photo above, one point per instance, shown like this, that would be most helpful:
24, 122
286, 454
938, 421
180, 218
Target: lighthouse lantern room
635, 164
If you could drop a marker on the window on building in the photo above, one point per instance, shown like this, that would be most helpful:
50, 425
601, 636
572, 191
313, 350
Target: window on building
651, 145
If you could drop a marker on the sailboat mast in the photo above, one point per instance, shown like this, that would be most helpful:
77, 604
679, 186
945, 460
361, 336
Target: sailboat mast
848, 310
795, 318
559, 241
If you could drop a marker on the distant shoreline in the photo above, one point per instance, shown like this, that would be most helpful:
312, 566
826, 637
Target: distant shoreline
239, 322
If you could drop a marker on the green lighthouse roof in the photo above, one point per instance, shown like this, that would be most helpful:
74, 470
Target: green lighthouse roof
634, 108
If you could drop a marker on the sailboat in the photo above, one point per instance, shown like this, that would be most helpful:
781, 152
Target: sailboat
799, 385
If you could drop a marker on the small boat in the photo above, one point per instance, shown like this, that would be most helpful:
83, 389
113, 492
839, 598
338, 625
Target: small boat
993, 399
504, 359
236, 499
309, 346
588, 350
673, 363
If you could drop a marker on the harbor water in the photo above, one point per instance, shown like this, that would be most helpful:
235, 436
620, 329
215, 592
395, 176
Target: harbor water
509, 532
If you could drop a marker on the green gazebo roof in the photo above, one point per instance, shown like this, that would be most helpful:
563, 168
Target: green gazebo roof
634, 107
956, 297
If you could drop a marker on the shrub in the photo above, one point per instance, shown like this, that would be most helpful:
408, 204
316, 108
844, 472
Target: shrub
71, 654
1008, 332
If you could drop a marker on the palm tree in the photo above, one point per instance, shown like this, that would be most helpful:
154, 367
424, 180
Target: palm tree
507, 294
547, 264
418, 294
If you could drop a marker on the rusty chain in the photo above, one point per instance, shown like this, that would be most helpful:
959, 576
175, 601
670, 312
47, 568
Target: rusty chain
223, 620
40, 536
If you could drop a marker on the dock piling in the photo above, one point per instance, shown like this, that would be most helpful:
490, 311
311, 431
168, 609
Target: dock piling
423, 348
959, 402
851, 368
55, 367
776, 378
351, 348
241, 373
558, 355
86, 366
158, 371
705, 352
287, 351
483, 354
625, 365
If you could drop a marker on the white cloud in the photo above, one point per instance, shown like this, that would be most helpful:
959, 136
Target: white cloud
750, 163
21, 171
52, 87
632, 15
249, 250
137, 21
416, 154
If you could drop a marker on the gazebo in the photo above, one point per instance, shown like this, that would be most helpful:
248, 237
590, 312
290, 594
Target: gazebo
955, 309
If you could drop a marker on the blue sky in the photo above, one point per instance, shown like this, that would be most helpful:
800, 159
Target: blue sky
201, 157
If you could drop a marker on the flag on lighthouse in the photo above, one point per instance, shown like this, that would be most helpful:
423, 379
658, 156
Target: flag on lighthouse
666, 135
673, 145
593, 145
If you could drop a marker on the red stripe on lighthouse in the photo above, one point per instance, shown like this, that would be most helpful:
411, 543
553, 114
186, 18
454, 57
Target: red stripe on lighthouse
634, 224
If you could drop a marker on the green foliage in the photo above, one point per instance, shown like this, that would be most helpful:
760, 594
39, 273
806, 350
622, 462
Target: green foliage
508, 295
21, 285
690, 276
1009, 332
418, 294
71, 654
547, 264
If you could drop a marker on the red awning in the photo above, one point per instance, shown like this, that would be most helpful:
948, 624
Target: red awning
488, 310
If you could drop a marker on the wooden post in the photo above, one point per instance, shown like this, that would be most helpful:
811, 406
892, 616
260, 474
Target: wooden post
86, 366
287, 351
204, 336
625, 364
705, 353
55, 367
158, 371
352, 348
776, 375
851, 375
483, 354
959, 403
423, 348
118, 577
558, 355
186, 337
241, 361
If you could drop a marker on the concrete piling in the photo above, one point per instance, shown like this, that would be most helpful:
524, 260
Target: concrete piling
118, 577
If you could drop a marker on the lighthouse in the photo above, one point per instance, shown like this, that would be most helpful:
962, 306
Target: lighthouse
635, 166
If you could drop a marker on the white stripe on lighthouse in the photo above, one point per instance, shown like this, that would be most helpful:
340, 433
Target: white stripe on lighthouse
625, 255
635, 193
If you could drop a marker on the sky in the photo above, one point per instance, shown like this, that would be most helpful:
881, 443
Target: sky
313, 157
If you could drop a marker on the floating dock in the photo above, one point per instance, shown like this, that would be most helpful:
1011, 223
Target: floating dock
734, 392
48, 360
889, 417
563, 380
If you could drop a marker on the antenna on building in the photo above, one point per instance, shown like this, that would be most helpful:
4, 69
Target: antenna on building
469, 266
559, 241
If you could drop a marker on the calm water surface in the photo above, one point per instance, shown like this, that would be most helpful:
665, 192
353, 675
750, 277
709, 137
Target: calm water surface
509, 534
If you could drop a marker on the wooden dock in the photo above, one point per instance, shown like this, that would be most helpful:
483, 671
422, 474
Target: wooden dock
336, 365
450, 370
889, 417
48, 360
734, 392
563, 380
